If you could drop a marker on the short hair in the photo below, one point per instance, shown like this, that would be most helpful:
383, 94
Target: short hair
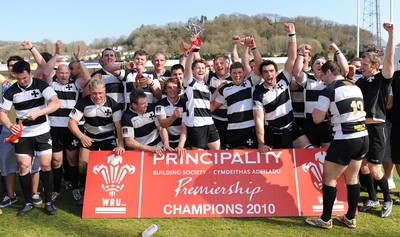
159, 53
21, 66
96, 83
236, 65
136, 95
140, 52
46, 56
332, 66
102, 52
177, 67
374, 55
13, 58
266, 63
200, 60
173, 80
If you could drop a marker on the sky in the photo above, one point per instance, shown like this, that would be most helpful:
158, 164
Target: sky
87, 20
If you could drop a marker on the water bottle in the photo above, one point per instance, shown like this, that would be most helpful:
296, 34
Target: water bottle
150, 230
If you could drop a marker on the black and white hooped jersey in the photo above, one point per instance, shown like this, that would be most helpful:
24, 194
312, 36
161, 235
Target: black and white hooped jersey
239, 101
198, 97
276, 102
141, 127
114, 87
32, 98
375, 90
213, 82
68, 94
312, 89
132, 83
297, 97
345, 102
165, 107
99, 119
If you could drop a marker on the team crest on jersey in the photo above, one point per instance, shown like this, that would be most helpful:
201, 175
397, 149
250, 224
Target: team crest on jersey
107, 112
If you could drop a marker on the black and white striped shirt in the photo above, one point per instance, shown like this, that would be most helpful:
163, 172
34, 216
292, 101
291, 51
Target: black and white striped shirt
239, 101
198, 104
165, 107
68, 94
99, 119
129, 78
213, 82
345, 102
32, 98
312, 89
142, 128
276, 102
114, 87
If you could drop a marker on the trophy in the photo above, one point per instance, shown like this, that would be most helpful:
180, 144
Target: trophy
195, 28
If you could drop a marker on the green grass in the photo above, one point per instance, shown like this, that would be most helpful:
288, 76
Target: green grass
68, 222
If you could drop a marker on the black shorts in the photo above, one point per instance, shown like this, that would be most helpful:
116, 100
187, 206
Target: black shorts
199, 137
343, 151
395, 143
39, 144
241, 138
63, 139
105, 145
222, 127
377, 141
282, 138
318, 133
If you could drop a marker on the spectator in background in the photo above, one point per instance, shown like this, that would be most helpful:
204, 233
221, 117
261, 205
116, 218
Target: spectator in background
210, 65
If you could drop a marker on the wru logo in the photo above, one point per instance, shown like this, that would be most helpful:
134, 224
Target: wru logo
113, 174
316, 168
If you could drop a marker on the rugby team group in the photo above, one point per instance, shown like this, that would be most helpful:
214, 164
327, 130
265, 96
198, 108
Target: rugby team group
53, 117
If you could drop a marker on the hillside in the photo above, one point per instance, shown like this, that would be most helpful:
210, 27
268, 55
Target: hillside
266, 28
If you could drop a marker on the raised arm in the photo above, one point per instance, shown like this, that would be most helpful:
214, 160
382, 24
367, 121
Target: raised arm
292, 46
298, 72
41, 63
234, 53
248, 42
340, 58
388, 62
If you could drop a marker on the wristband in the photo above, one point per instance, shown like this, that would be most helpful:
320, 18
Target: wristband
197, 49
292, 37
254, 48
300, 54
31, 48
338, 52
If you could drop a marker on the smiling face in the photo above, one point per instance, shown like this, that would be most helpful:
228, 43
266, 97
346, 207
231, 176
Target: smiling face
159, 61
220, 66
199, 70
108, 56
368, 68
141, 106
98, 95
237, 76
